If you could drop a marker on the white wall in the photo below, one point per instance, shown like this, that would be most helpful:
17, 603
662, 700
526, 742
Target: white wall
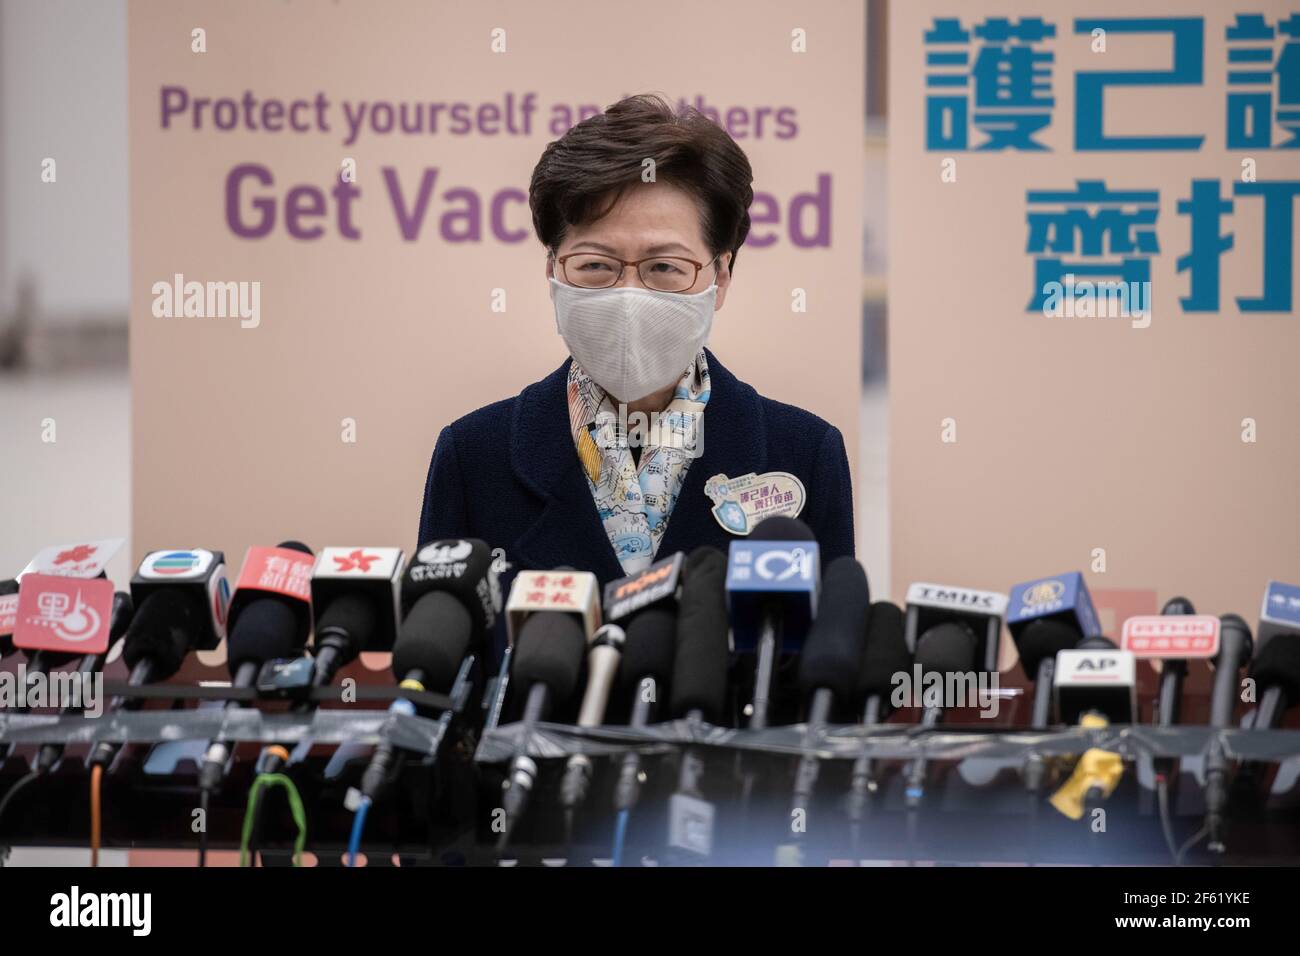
63, 95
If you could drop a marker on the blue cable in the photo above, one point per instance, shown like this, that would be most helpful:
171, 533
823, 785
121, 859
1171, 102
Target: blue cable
358, 824
620, 831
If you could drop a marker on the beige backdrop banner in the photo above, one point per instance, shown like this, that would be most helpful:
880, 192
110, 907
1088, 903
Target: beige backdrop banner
377, 297
1079, 440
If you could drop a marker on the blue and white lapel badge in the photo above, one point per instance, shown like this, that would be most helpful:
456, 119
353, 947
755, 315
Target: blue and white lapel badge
739, 504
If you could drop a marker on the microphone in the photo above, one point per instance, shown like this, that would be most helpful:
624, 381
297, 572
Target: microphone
603, 658
982, 612
181, 599
1174, 636
1234, 651
626, 600
1096, 676
8, 615
59, 619
270, 613
120, 619
698, 689
958, 632
701, 656
1046, 616
354, 593
354, 600
1276, 667
1096, 685
195, 578
885, 655
549, 617
831, 659
86, 560
1173, 671
451, 596
647, 664
949, 647
269, 619
772, 590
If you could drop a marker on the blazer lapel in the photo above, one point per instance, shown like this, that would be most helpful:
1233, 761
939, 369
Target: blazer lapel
569, 530
734, 444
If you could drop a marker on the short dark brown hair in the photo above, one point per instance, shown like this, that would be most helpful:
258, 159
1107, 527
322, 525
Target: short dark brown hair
581, 175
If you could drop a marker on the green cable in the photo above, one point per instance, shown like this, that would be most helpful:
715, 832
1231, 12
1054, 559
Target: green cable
295, 807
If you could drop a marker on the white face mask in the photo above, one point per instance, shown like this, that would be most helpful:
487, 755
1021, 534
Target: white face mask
632, 341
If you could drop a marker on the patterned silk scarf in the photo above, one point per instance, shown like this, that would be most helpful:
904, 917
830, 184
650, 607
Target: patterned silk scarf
634, 501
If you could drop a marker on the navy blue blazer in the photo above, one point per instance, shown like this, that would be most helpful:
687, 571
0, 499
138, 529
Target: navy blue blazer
509, 474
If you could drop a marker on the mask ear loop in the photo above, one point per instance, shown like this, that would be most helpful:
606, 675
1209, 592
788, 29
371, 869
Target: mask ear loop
714, 262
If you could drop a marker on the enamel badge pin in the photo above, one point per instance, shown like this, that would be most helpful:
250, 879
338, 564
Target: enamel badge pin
739, 504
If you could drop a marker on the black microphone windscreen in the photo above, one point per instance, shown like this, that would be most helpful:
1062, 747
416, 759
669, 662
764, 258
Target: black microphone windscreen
161, 632
648, 648
781, 528
549, 650
832, 654
700, 664
1235, 643
947, 648
459, 566
351, 616
294, 546
886, 653
1041, 639
266, 630
1278, 665
1178, 605
8, 586
1096, 642
433, 640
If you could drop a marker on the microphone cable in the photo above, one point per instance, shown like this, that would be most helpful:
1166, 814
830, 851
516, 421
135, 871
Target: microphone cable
248, 842
358, 825
21, 784
96, 814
